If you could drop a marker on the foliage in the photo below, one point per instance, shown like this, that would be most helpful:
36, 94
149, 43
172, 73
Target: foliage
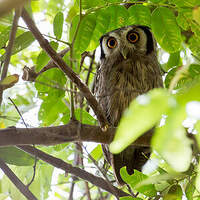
79, 24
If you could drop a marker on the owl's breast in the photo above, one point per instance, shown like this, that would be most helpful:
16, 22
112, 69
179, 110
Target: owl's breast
125, 82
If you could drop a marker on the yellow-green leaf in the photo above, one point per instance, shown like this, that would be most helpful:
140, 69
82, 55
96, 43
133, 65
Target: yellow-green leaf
9, 81
171, 142
141, 116
196, 14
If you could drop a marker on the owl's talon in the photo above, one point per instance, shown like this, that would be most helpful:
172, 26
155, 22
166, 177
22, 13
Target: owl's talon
104, 128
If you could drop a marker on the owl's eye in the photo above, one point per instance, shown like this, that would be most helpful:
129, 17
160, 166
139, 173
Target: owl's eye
111, 42
132, 37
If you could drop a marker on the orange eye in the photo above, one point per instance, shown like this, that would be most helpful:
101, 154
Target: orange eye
132, 37
111, 42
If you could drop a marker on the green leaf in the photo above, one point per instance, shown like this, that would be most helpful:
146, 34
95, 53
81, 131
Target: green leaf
185, 3
50, 110
182, 21
138, 118
129, 198
170, 76
194, 45
35, 5
139, 14
174, 60
156, 1
21, 42
58, 25
192, 73
196, 14
81, 115
9, 81
158, 179
134, 180
194, 70
190, 92
40, 187
171, 142
101, 26
97, 153
84, 33
15, 156
43, 58
51, 82
50, 86
118, 18
86, 4
112, 1
175, 193
169, 38
53, 6
190, 188
4, 36
73, 11
197, 136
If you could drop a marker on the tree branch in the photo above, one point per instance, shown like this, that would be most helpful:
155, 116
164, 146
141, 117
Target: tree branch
66, 69
9, 48
74, 131
58, 163
16, 181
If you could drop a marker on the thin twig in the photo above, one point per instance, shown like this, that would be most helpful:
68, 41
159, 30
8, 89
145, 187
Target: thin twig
74, 179
48, 36
16, 181
34, 172
18, 112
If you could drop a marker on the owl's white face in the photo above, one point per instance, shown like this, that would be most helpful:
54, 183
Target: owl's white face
126, 42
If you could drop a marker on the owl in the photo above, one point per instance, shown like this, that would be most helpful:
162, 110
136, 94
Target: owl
128, 68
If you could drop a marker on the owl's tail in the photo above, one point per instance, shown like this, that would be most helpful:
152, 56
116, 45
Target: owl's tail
132, 157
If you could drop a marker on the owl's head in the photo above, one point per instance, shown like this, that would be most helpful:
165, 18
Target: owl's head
127, 42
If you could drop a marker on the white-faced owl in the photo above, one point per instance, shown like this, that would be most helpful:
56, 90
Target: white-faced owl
128, 67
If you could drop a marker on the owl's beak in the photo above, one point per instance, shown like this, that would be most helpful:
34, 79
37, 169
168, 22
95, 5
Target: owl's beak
124, 52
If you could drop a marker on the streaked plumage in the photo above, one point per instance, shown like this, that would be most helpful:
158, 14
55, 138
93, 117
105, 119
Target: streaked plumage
128, 68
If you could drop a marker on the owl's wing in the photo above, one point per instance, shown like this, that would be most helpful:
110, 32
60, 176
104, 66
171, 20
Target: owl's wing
98, 91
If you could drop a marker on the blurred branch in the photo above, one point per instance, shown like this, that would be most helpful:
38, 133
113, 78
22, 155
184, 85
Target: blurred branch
74, 131
76, 162
68, 168
16, 181
66, 69
7, 5
79, 146
9, 47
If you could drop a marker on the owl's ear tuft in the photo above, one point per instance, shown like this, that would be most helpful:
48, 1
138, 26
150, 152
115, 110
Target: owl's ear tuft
101, 46
150, 42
